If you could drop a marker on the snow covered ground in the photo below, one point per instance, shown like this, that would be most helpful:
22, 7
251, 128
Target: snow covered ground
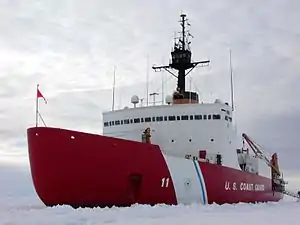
19, 205
31, 212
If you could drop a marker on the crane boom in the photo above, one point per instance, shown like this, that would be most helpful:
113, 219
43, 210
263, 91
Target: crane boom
259, 153
278, 183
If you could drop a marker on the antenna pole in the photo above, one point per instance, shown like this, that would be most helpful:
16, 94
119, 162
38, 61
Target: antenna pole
147, 77
183, 31
120, 101
153, 94
37, 107
231, 81
162, 86
113, 97
190, 97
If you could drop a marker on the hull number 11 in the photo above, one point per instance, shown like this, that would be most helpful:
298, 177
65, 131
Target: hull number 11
165, 182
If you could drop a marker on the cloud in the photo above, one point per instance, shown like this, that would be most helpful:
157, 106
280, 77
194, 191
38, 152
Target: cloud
276, 133
15, 181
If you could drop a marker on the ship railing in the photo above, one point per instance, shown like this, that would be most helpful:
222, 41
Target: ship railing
189, 156
292, 194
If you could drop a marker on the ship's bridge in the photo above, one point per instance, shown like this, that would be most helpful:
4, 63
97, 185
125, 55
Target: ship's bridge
179, 129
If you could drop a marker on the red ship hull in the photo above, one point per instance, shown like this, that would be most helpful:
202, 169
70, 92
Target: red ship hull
81, 169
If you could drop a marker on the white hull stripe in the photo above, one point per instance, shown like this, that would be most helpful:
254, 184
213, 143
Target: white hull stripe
201, 180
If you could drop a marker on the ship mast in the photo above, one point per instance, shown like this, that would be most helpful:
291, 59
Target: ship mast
181, 61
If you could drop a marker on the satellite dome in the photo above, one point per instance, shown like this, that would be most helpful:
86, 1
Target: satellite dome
169, 99
134, 99
218, 101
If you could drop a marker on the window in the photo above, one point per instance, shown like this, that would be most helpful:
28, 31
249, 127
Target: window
142, 120
191, 117
216, 116
159, 118
153, 119
126, 121
148, 119
204, 117
121, 122
106, 124
223, 110
136, 120
185, 117
198, 117
226, 117
109, 123
178, 117
172, 118
117, 122
209, 117
131, 120
165, 118
112, 123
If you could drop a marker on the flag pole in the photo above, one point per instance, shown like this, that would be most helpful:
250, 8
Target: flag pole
36, 107
114, 84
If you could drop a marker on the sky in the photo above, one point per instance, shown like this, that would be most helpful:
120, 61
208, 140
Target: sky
71, 48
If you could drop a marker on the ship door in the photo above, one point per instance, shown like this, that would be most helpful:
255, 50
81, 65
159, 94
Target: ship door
135, 181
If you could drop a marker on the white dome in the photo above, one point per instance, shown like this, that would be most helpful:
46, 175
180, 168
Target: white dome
169, 99
218, 101
134, 99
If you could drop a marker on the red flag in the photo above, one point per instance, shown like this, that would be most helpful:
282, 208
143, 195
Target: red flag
39, 95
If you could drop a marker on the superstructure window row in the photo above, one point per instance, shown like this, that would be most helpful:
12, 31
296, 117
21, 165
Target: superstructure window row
165, 118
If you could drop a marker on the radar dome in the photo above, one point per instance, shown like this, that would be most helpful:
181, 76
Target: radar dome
218, 101
169, 99
134, 99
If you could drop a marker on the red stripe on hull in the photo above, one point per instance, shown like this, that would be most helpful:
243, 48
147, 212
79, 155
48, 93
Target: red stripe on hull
93, 170
227, 185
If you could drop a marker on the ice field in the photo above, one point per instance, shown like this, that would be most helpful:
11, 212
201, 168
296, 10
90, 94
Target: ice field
20, 205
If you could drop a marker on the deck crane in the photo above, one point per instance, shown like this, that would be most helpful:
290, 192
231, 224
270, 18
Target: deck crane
278, 183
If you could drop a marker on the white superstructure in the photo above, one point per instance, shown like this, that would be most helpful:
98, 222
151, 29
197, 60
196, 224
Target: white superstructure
179, 129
